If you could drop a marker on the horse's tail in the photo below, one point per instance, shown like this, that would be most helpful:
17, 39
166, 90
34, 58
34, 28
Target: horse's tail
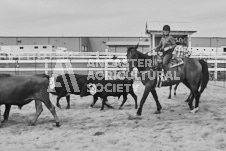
205, 73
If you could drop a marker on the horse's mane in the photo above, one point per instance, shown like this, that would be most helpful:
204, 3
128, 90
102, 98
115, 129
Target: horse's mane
143, 56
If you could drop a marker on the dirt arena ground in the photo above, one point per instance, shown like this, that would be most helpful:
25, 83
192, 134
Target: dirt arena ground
83, 128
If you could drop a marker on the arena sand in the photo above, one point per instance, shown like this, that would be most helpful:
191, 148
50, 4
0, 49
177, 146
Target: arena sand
88, 129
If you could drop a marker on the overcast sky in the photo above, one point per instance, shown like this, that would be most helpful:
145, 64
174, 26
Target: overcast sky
107, 17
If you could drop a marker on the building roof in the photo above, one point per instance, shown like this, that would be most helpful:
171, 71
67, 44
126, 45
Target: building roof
156, 26
127, 43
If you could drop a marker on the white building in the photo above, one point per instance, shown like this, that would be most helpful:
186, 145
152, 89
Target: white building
181, 31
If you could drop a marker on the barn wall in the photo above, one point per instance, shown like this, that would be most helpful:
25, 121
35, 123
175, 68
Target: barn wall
98, 43
71, 43
32, 41
8, 40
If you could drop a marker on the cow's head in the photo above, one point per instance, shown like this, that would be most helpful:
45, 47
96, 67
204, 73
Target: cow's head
52, 84
88, 89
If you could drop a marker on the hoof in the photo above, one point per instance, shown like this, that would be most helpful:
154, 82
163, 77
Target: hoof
4, 121
110, 107
157, 112
169, 97
120, 108
191, 107
67, 107
132, 117
31, 124
58, 124
195, 110
58, 106
138, 114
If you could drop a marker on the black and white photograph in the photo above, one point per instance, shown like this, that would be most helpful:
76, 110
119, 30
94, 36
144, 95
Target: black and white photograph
112, 75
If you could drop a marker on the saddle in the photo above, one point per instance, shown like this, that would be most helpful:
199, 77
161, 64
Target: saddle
175, 61
179, 53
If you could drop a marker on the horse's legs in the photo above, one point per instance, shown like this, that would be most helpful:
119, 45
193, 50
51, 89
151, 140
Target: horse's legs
134, 97
159, 107
68, 101
124, 100
170, 89
189, 97
143, 99
196, 95
190, 101
39, 109
6, 113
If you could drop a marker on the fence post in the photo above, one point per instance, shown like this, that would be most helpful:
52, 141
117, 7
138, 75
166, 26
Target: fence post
98, 54
46, 66
0, 116
215, 68
106, 69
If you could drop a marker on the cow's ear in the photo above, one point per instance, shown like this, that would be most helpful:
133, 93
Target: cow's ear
89, 85
128, 48
137, 46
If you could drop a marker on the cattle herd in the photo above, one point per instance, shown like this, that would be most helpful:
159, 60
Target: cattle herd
21, 90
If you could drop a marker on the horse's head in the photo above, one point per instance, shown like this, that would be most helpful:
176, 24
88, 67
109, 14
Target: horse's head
132, 56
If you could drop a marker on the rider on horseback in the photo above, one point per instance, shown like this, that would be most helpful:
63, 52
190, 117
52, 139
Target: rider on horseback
166, 46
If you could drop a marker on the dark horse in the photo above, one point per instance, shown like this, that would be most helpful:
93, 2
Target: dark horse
193, 73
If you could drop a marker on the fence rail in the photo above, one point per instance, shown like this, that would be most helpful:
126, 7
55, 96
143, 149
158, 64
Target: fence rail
88, 57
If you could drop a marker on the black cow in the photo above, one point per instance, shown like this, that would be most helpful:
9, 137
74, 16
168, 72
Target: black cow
70, 84
21, 90
105, 88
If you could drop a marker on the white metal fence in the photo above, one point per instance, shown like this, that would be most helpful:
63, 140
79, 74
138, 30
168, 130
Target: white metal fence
85, 58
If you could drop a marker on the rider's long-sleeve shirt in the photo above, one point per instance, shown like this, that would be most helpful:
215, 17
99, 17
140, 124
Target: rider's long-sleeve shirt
166, 41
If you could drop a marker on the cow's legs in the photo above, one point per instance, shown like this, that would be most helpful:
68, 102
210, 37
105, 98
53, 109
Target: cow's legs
104, 100
68, 101
134, 97
59, 96
108, 104
103, 103
6, 113
39, 109
51, 108
170, 90
124, 100
175, 89
95, 98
